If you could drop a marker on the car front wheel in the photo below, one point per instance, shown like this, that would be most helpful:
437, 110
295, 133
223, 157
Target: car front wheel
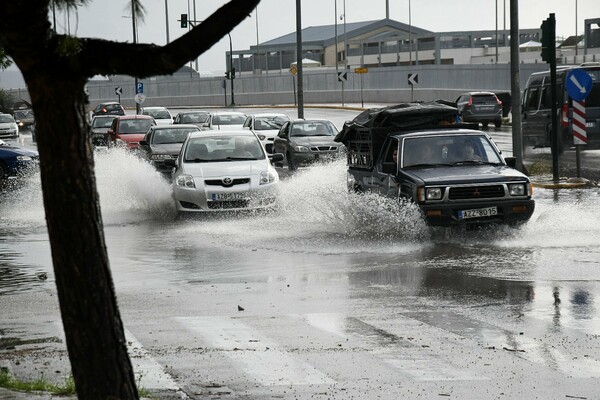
290, 162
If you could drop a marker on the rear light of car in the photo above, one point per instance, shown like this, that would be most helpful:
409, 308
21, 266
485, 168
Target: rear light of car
470, 102
564, 120
498, 101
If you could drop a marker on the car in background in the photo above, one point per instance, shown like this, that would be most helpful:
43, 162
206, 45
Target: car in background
24, 118
16, 161
201, 118
99, 129
128, 130
161, 115
8, 126
481, 107
228, 170
108, 108
306, 141
163, 142
227, 120
266, 126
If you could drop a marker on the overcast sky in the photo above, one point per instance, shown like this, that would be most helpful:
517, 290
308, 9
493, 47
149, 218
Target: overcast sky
278, 17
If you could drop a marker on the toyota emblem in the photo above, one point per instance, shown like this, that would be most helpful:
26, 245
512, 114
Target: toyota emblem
227, 181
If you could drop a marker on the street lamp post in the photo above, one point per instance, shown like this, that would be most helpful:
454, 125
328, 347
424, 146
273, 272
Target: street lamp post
137, 105
231, 73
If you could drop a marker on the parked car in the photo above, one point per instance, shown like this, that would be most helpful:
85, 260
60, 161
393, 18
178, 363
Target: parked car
227, 120
305, 141
266, 127
24, 118
128, 130
161, 115
457, 176
227, 170
201, 118
108, 108
8, 126
16, 161
481, 107
99, 129
163, 142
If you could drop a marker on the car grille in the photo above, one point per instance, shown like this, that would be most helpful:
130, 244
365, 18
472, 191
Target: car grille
476, 192
219, 182
223, 205
323, 148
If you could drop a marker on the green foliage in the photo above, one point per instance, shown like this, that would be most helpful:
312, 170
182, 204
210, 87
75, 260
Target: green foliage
5, 61
6, 100
7, 381
68, 46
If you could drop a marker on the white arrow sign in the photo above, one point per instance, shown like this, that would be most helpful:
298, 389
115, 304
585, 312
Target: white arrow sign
576, 83
413, 79
119, 90
342, 76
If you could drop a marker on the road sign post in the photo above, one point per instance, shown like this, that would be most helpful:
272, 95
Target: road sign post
119, 92
361, 71
579, 84
342, 77
413, 79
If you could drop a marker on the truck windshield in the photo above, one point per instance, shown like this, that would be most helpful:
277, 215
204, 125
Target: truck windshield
448, 150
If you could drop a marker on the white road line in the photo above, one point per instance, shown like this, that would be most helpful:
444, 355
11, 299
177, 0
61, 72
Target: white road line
255, 354
415, 362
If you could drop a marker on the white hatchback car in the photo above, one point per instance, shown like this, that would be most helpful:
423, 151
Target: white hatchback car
266, 126
161, 115
220, 171
227, 120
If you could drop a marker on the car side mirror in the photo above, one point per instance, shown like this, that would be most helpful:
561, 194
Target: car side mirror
143, 143
511, 161
388, 167
277, 157
282, 134
170, 162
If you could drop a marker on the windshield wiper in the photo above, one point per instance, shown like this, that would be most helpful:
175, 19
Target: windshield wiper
241, 158
474, 162
196, 160
428, 165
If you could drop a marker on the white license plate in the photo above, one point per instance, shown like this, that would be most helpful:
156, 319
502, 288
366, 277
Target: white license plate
478, 213
590, 124
228, 196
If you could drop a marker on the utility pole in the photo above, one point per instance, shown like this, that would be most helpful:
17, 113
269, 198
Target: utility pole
231, 70
137, 105
515, 85
299, 58
167, 20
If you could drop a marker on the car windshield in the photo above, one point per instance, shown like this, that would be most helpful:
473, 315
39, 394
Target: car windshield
172, 135
199, 118
269, 123
158, 114
229, 120
484, 98
449, 150
5, 118
102, 122
135, 126
23, 114
313, 129
218, 149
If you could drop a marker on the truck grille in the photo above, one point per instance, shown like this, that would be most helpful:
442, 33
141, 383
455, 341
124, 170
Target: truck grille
476, 192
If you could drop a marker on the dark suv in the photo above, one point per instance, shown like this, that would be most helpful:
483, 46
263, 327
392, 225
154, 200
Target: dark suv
481, 107
109, 108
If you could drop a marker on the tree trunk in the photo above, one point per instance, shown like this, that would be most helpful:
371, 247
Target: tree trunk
97, 349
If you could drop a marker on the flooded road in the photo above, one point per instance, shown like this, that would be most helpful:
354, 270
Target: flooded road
332, 295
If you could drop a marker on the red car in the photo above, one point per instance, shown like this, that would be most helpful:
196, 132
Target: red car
128, 130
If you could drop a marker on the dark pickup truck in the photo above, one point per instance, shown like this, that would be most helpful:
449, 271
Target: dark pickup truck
455, 174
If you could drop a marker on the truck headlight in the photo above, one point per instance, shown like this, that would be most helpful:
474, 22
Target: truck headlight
516, 189
186, 181
433, 194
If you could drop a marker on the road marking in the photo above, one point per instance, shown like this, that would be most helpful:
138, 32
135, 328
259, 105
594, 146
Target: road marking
255, 354
414, 361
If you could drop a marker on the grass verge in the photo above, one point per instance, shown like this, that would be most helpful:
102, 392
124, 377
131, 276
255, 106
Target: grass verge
7, 381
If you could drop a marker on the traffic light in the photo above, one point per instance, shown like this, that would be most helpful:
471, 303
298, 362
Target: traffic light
184, 20
232, 73
549, 39
227, 75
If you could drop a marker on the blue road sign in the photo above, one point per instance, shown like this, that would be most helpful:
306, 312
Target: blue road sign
139, 88
579, 84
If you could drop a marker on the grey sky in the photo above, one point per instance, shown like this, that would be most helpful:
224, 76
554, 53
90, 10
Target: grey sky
277, 17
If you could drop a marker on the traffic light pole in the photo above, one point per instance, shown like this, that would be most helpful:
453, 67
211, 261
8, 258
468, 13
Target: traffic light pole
231, 70
549, 55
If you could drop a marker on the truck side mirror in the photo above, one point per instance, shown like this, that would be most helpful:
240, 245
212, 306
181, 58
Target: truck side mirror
388, 167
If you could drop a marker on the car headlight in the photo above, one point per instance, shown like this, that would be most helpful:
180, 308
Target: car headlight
158, 157
301, 149
517, 189
186, 181
433, 194
268, 177
262, 137
24, 158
